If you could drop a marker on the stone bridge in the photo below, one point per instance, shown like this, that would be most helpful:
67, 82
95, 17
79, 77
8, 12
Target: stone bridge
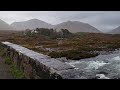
36, 65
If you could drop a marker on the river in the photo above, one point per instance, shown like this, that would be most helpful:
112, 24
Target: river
100, 67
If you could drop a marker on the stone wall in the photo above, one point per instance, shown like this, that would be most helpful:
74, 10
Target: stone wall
36, 65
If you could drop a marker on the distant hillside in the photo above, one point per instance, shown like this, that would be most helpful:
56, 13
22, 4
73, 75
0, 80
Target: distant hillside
5, 26
75, 26
115, 31
72, 26
30, 24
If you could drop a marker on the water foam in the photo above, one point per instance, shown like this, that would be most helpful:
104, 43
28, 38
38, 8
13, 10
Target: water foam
95, 64
116, 58
102, 76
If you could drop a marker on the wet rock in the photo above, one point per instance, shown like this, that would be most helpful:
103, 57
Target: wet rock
57, 65
70, 74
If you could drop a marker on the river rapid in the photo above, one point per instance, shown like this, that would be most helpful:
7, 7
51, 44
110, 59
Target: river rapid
104, 66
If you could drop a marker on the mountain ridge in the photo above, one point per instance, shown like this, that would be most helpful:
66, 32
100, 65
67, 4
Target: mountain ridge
76, 26
115, 31
30, 24
72, 26
5, 26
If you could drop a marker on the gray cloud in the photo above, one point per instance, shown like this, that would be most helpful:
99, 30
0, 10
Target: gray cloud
103, 20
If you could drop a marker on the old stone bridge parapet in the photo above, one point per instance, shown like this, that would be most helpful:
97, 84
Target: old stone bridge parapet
36, 65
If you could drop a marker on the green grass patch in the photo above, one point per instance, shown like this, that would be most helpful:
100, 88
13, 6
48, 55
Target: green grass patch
8, 61
16, 73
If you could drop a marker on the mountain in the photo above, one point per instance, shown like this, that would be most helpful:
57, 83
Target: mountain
115, 31
75, 26
30, 24
5, 26
72, 26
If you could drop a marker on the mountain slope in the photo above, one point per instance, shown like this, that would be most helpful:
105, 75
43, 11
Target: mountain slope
75, 26
5, 26
72, 26
30, 24
115, 31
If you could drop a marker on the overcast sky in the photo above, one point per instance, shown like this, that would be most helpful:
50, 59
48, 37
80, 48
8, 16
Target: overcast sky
102, 20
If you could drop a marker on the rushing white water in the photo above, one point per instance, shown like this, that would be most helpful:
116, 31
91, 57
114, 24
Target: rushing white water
116, 58
90, 64
101, 76
95, 64
100, 67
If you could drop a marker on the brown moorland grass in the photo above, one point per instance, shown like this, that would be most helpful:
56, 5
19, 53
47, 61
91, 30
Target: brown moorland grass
79, 46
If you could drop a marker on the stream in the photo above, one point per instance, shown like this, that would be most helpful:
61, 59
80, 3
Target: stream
100, 67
